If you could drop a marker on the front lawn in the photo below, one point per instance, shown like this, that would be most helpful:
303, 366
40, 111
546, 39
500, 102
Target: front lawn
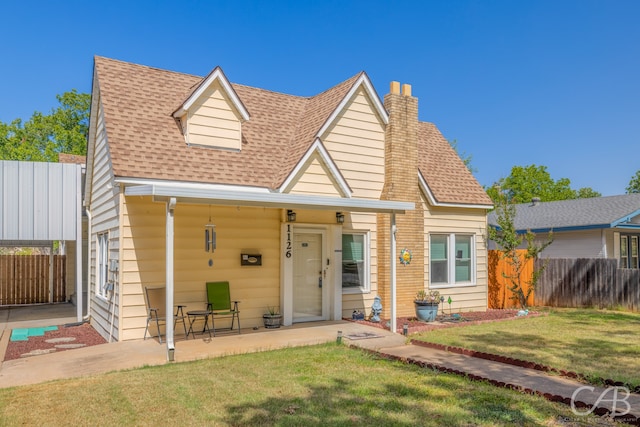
326, 385
598, 343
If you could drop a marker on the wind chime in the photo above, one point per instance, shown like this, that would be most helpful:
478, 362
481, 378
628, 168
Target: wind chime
210, 235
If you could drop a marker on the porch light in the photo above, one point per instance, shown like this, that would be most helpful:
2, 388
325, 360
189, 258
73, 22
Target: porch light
210, 238
291, 216
340, 217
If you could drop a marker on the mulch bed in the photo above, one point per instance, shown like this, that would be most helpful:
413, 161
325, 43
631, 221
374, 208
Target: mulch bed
63, 338
448, 320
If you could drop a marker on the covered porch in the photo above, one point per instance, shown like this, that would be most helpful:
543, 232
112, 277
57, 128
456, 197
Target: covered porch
184, 199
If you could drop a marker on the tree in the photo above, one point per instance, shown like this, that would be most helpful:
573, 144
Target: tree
509, 241
526, 182
466, 159
43, 137
587, 192
634, 184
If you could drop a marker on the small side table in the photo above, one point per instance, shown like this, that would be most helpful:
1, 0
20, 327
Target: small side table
194, 315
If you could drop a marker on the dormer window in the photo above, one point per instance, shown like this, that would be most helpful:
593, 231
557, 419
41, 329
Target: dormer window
213, 114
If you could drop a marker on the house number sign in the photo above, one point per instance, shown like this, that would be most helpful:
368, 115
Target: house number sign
288, 249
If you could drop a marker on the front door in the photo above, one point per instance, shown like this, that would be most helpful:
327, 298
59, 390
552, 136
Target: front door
308, 276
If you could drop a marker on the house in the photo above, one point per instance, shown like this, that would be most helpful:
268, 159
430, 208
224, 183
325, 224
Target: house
322, 193
598, 227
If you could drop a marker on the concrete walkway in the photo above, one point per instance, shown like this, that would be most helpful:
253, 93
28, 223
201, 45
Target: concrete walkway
132, 354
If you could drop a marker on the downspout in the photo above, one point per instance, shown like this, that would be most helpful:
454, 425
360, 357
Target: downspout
89, 239
393, 272
80, 298
171, 205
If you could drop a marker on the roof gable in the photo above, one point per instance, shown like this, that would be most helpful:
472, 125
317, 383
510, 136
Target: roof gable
364, 83
317, 153
216, 76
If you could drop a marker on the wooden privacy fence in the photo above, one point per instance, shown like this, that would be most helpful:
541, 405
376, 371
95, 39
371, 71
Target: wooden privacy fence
32, 279
588, 282
499, 296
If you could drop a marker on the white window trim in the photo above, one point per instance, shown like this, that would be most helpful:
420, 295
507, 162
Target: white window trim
367, 264
101, 281
451, 265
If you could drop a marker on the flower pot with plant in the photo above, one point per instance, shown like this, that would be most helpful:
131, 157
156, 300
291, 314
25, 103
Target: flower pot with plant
426, 305
272, 318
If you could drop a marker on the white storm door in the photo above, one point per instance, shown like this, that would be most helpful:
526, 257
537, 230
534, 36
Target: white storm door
308, 277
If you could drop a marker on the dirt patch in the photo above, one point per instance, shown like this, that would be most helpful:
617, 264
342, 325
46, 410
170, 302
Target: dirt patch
62, 339
449, 320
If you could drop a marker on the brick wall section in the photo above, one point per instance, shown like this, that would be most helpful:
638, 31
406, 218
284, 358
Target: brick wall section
401, 184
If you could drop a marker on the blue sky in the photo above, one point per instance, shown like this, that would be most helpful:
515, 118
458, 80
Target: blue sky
553, 83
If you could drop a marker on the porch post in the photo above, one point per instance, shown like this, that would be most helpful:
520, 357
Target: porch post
79, 289
171, 204
392, 234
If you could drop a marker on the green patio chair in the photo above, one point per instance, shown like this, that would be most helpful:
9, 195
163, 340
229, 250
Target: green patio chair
220, 304
156, 311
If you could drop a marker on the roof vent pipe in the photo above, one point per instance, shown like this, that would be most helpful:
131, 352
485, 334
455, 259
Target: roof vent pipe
535, 201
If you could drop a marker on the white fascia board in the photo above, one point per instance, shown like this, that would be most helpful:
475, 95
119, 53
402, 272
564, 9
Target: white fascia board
216, 74
433, 202
162, 193
318, 147
195, 185
363, 81
91, 142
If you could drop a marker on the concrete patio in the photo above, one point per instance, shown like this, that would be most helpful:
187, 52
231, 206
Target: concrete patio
133, 354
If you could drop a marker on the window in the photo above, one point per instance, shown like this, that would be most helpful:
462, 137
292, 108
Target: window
102, 267
355, 262
629, 251
452, 259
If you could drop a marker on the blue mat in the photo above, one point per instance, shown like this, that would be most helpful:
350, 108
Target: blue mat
25, 333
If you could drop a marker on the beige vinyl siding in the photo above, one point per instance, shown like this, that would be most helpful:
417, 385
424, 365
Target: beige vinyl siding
316, 179
237, 229
212, 121
355, 142
446, 220
104, 207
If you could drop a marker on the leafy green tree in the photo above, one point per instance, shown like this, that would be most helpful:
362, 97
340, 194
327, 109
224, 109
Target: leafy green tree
509, 241
43, 137
634, 184
527, 182
587, 192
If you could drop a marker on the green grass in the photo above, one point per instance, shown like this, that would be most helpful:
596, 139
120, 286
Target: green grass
597, 343
326, 385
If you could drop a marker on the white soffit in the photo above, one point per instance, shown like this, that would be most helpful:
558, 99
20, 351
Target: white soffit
262, 199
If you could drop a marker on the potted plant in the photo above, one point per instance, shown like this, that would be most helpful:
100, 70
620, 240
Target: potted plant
272, 318
426, 304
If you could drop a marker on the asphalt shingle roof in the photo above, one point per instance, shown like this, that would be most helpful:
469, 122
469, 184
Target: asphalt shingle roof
596, 212
145, 141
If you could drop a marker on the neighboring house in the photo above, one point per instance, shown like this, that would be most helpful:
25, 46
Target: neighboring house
171, 153
598, 227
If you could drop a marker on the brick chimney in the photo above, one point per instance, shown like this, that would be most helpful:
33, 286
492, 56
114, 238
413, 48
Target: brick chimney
401, 184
